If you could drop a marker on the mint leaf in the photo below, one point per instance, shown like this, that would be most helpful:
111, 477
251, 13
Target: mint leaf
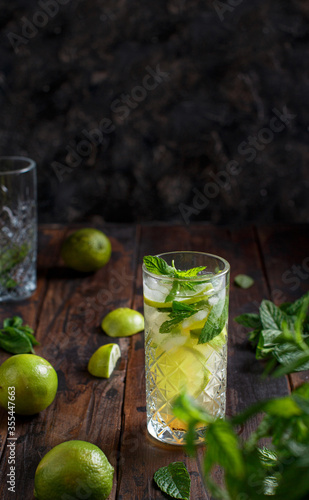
271, 316
156, 265
216, 321
174, 480
15, 341
16, 338
295, 307
178, 313
190, 273
243, 281
223, 449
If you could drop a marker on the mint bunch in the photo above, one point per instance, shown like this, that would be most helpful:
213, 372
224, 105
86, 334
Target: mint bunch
281, 334
251, 472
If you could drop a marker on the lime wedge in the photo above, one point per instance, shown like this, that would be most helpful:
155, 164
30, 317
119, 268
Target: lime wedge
103, 360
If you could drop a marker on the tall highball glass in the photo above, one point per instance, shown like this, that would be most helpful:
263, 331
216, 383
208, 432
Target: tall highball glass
185, 341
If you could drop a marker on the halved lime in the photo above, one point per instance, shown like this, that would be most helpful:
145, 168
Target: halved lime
103, 360
123, 322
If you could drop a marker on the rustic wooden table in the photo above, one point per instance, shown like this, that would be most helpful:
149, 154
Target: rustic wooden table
66, 312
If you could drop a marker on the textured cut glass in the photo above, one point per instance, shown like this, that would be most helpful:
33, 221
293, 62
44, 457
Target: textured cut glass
18, 228
175, 361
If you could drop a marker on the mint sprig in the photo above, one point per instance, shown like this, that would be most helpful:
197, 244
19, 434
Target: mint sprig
159, 266
174, 480
177, 313
17, 338
280, 471
216, 321
280, 334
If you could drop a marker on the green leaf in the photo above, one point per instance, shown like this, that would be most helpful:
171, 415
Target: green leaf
156, 265
173, 292
15, 341
216, 321
288, 353
190, 273
180, 307
268, 457
267, 342
16, 338
223, 448
271, 316
250, 320
178, 314
243, 281
15, 321
174, 480
295, 307
300, 363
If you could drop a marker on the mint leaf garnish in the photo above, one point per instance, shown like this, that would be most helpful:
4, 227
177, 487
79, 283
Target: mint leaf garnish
243, 281
215, 322
156, 265
174, 480
280, 334
16, 338
178, 313
190, 273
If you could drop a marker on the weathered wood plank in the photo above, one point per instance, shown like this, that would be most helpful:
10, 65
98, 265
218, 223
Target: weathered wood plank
48, 247
286, 258
85, 407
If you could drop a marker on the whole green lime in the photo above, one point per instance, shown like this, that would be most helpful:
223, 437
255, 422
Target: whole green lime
73, 469
122, 322
86, 250
28, 381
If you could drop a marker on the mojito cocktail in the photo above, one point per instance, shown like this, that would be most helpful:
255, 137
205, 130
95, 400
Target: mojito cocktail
186, 312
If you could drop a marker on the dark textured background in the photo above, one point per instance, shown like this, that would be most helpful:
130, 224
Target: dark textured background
66, 65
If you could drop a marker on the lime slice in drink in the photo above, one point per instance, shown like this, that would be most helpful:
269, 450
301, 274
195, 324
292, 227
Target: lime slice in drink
178, 370
103, 360
200, 292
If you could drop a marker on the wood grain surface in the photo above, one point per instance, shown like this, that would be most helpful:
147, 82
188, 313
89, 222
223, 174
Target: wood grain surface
66, 311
